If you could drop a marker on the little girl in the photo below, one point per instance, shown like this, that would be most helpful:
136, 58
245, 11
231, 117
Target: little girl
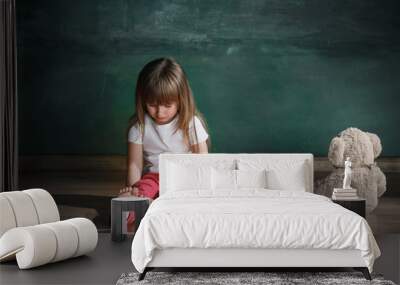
166, 121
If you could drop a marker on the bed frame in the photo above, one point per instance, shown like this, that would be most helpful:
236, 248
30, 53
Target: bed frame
241, 259
256, 258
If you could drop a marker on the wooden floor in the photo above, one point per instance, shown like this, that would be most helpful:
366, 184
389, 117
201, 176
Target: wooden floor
95, 183
385, 218
88, 194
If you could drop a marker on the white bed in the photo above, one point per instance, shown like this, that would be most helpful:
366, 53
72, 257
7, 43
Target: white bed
202, 220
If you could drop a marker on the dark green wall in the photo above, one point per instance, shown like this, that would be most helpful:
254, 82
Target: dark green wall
269, 76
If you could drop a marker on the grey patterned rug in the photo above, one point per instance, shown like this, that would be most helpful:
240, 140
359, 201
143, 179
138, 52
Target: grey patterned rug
230, 278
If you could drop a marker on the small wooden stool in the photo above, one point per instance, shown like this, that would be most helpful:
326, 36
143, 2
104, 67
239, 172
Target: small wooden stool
120, 205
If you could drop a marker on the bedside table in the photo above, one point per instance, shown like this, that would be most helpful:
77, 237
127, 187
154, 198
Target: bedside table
120, 205
355, 205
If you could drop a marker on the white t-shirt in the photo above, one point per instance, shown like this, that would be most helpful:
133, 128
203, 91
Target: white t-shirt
159, 139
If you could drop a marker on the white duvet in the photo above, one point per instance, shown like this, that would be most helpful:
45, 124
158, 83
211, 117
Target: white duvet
250, 218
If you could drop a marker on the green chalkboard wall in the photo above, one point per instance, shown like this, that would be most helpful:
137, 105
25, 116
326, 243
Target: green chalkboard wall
269, 76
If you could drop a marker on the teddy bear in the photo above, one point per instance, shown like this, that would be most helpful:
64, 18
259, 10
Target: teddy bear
362, 148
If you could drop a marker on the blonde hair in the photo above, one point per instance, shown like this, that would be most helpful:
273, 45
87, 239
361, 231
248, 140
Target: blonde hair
161, 82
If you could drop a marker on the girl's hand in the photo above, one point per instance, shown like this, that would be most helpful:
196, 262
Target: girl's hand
135, 191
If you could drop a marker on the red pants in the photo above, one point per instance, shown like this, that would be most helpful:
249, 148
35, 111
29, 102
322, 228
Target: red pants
148, 187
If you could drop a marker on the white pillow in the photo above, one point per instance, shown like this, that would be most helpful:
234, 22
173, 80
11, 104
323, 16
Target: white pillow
251, 178
281, 174
292, 179
188, 177
227, 179
223, 179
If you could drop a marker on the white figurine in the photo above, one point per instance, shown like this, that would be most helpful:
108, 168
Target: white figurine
347, 174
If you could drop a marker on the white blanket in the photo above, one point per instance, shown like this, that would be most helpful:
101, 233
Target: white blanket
250, 218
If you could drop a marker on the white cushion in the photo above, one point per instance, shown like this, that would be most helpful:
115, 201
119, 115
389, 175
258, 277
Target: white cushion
292, 179
224, 179
251, 178
45, 205
34, 244
181, 177
23, 208
231, 180
281, 174
87, 233
7, 218
26, 208
40, 244
281, 167
168, 177
67, 239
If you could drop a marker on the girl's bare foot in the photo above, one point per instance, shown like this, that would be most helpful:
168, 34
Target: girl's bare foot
128, 191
